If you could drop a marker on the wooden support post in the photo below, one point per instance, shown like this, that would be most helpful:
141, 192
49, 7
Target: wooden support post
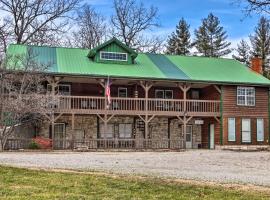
146, 86
105, 120
217, 119
52, 124
185, 131
184, 89
185, 121
73, 128
105, 128
218, 89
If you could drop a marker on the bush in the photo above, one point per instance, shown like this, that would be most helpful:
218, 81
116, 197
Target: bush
34, 145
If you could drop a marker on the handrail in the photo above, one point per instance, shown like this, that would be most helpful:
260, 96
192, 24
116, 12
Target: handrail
96, 103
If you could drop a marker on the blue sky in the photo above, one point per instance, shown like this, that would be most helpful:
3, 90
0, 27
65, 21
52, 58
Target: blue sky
170, 11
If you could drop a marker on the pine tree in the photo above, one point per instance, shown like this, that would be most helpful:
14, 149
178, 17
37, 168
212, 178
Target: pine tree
179, 42
171, 44
260, 42
243, 52
210, 38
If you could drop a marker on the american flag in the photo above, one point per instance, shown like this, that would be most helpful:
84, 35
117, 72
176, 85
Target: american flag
108, 91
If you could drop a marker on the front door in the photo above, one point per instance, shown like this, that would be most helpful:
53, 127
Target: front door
189, 137
59, 136
212, 136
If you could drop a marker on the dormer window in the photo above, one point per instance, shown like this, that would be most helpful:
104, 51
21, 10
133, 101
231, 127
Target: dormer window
104, 55
113, 51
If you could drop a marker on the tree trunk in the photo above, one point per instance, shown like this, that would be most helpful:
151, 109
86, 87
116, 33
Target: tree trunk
2, 144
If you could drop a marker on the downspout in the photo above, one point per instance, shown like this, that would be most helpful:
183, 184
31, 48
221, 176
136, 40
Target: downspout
221, 116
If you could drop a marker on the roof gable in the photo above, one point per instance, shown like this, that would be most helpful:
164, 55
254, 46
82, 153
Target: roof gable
94, 51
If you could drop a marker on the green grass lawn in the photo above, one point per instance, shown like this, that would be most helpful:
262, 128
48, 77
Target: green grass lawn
33, 184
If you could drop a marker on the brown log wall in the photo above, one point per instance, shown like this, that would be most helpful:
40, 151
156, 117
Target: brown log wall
231, 109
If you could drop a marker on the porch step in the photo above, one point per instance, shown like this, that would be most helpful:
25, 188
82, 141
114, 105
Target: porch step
243, 147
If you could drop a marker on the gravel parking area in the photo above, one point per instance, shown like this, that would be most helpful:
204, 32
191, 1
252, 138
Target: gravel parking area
206, 165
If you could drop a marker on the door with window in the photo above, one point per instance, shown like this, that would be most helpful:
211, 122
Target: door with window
62, 90
59, 139
246, 131
188, 136
163, 94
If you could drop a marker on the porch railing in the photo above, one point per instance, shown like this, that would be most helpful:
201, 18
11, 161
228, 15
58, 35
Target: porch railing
81, 103
94, 144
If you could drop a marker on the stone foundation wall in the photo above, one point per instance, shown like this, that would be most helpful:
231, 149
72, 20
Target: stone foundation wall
158, 128
85, 123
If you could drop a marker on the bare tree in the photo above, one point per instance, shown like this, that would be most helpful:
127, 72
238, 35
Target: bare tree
131, 20
155, 44
5, 32
259, 6
34, 21
20, 94
91, 28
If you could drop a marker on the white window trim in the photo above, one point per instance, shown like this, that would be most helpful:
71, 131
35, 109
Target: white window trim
158, 90
262, 129
245, 95
102, 135
230, 118
119, 131
100, 56
246, 131
122, 88
168, 91
60, 84
164, 91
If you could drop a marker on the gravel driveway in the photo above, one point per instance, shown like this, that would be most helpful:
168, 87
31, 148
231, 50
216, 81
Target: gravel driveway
218, 166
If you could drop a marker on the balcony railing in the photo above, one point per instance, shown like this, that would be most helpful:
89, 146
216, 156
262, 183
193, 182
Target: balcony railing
125, 105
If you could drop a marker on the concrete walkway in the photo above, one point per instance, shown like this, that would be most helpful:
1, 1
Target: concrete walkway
206, 165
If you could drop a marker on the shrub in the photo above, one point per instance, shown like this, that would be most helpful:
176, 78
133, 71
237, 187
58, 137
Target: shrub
34, 145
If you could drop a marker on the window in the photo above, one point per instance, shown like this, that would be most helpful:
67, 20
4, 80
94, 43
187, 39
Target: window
122, 92
246, 133
61, 89
260, 130
195, 94
231, 129
110, 131
246, 96
164, 94
125, 131
113, 56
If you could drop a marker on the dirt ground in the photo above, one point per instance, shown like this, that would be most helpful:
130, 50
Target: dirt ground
199, 165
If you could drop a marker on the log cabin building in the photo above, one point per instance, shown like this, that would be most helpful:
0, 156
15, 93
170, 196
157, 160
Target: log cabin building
156, 101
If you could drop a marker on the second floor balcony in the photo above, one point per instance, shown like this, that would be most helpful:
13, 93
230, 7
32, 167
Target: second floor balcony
136, 106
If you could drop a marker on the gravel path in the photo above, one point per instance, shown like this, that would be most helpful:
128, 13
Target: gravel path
206, 165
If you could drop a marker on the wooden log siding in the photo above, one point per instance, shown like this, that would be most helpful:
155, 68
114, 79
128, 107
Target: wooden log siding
133, 106
231, 109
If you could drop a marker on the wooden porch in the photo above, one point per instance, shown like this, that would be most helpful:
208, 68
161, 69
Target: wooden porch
137, 106
141, 99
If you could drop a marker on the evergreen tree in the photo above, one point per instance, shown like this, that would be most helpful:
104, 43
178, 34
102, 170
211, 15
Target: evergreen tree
260, 42
243, 52
171, 44
179, 42
210, 38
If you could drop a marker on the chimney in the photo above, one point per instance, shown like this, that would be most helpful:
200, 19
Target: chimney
256, 64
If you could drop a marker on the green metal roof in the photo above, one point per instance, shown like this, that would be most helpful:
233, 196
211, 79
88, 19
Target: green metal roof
74, 61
